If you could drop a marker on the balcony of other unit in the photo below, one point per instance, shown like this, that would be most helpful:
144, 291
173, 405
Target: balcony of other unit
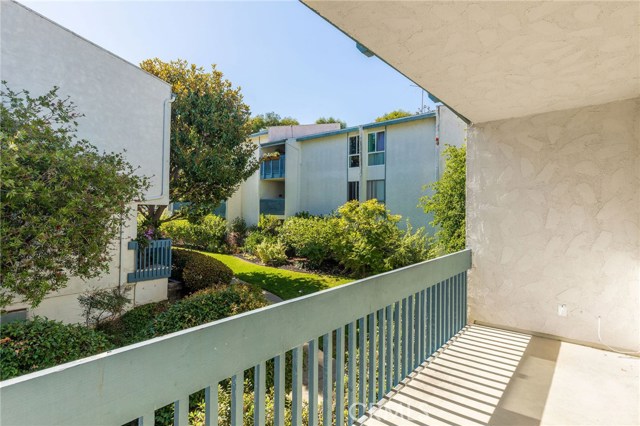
273, 168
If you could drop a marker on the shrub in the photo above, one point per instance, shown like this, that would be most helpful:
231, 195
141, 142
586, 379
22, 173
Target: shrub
134, 325
367, 236
251, 242
269, 225
271, 253
209, 305
413, 248
103, 304
178, 230
208, 233
198, 271
311, 238
41, 343
237, 233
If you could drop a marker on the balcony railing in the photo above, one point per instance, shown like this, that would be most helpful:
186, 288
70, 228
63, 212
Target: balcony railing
151, 262
273, 206
272, 169
384, 327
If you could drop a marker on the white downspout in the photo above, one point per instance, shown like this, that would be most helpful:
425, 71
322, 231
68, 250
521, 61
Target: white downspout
166, 140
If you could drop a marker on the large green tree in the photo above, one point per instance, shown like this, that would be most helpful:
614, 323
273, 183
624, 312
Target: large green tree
398, 113
326, 120
63, 201
262, 121
210, 151
447, 204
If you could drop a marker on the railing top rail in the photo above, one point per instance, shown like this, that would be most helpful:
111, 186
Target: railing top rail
151, 374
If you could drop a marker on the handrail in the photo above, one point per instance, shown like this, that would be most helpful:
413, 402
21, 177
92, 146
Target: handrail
425, 305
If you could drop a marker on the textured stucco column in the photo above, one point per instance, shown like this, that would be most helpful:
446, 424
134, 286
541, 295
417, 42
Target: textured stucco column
554, 217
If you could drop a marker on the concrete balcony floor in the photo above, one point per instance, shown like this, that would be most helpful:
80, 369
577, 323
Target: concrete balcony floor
488, 376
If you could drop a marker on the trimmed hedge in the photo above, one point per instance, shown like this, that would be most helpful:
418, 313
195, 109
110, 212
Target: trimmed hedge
134, 325
198, 271
208, 233
41, 343
209, 305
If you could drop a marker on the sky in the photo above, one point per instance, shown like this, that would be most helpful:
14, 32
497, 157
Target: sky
284, 57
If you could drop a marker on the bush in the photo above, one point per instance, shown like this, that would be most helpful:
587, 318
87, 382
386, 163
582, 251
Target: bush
269, 225
237, 234
135, 325
254, 238
198, 271
208, 233
271, 253
178, 230
367, 236
413, 248
102, 305
41, 343
209, 305
311, 238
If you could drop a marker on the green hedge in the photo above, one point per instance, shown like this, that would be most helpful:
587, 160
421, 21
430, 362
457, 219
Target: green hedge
134, 325
311, 238
198, 271
208, 233
40, 343
209, 305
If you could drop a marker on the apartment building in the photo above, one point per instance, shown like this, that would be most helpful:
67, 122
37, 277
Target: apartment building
317, 168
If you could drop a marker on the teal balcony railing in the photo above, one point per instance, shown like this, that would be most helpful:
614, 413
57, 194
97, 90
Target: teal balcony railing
272, 169
374, 332
151, 262
273, 206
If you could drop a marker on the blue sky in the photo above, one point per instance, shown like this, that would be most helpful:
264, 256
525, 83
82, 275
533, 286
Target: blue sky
285, 58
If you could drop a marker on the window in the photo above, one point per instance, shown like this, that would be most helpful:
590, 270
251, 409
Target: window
375, 189
353, 192
354, 151
376, 143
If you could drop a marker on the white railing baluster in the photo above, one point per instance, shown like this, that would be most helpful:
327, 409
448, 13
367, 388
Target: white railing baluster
362, 373
340, 376
372, 360
259, 389
211, 405
181, 412
351, 367
327, 379
237, 402
312, 367
279, 389
382, 341
389, 354
296, 403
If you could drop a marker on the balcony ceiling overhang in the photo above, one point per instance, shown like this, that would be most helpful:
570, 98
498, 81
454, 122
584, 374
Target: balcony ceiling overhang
497, 60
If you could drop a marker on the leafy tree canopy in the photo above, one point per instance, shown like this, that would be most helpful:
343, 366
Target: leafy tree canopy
448, 204
62, 201
262, 121
325, 120
210, 151
399, 113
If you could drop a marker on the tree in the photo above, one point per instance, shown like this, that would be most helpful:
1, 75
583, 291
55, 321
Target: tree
399, 113
62, 201
448, 204
262, 121
210, 151
325, 120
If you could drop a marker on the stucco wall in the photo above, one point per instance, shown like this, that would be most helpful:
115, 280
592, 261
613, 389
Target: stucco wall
123, 106
554, 217
323, 176
410, 164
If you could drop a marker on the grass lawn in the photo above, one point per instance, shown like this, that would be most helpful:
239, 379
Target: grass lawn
282, 283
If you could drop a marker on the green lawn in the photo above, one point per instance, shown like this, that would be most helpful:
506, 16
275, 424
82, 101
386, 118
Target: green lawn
282, 283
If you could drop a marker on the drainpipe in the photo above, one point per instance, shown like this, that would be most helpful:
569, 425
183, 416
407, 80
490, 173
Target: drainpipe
437, 147
165, 144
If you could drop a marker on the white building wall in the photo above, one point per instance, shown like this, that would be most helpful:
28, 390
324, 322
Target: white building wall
124, 108
410, 164
277, 133
291, 182
554, 218
323, 178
